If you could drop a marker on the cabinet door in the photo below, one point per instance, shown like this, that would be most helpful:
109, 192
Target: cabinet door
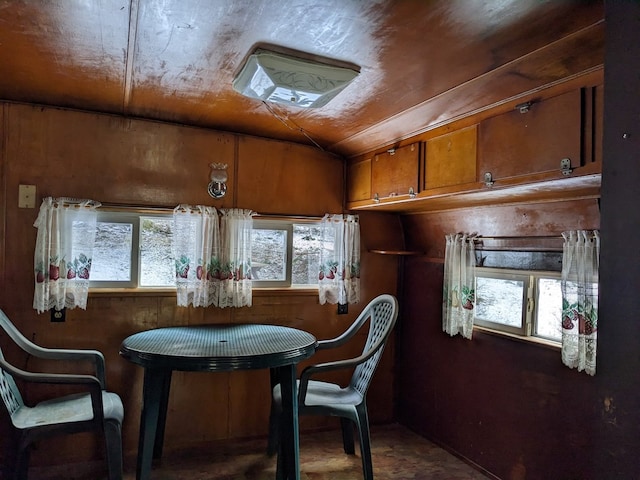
451, 159
396, 172
359, 181
534, 141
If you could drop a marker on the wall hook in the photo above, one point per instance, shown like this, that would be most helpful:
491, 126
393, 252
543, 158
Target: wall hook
218, 186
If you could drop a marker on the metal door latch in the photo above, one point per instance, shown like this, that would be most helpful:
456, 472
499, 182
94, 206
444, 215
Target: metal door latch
565, 166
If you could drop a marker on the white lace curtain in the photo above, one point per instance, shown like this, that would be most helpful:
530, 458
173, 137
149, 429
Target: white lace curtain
459, 299
339, 276
580, 263
212, 251
236, 227
63, 253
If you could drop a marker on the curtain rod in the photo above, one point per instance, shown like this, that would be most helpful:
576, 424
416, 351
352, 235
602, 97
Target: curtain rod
527, 237
518, 237
169, 209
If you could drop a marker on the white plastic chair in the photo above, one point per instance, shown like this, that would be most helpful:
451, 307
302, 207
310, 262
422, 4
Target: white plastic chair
350, 402
96, 409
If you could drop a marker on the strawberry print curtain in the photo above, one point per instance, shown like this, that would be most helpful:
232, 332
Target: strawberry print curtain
339, 276
63, 253
580, 264
459, 299
235, 228
212, 251
196, 249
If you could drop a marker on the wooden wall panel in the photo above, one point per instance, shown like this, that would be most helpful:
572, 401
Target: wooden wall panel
425, 232
116, 160
500, 403
295, 179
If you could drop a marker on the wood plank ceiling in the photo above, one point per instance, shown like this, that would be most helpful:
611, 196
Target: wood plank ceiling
423, 62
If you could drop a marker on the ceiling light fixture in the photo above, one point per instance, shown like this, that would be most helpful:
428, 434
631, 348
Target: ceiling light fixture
290, 80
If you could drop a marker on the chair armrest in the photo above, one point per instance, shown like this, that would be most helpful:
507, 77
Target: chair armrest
52, 378
92, 384
93, 356
311, 370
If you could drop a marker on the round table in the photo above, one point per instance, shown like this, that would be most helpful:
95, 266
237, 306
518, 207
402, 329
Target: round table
216, 348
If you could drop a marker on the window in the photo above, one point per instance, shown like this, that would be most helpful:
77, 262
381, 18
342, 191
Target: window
285, 253
526, 303
132, 250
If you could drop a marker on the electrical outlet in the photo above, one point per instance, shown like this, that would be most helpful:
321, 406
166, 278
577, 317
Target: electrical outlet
58, 315
343, 309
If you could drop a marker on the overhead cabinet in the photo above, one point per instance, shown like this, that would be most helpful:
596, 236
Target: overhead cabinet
541, 150
534, 137
396, 172
451, 159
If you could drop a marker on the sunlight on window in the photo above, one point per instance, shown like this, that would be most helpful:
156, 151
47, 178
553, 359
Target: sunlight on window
156, 257
269, 254
499, 301
112, 252
549, 304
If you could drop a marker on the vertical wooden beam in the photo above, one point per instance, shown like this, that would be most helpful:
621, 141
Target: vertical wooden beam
617, 438
3, 194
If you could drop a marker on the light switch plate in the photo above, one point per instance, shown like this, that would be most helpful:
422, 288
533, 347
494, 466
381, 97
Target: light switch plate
27, 196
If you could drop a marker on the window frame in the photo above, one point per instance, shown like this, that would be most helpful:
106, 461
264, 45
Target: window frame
530, 309
276, 225
285, 224
134, 218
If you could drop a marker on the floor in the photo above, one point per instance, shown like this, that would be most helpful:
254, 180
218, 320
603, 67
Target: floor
398, 454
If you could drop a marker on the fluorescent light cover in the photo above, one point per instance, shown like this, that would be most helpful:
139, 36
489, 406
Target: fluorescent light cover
279, 78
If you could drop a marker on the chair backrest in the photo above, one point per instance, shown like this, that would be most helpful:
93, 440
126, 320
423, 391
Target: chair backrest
382, 313
8, 389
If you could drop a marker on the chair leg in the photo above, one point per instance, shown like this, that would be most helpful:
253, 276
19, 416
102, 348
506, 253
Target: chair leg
347, 436
113, 439
365, 441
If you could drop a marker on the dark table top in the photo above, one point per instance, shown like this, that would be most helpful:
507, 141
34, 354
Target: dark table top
219, 347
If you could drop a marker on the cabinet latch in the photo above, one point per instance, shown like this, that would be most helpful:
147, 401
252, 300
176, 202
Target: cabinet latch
376, 198
412, 193
565, 166
488, 179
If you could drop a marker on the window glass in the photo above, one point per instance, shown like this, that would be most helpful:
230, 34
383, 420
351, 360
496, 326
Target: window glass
284, 253
156, 257
521, 302
499, 300
307, 244
112, 260
269, 254
549, 308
